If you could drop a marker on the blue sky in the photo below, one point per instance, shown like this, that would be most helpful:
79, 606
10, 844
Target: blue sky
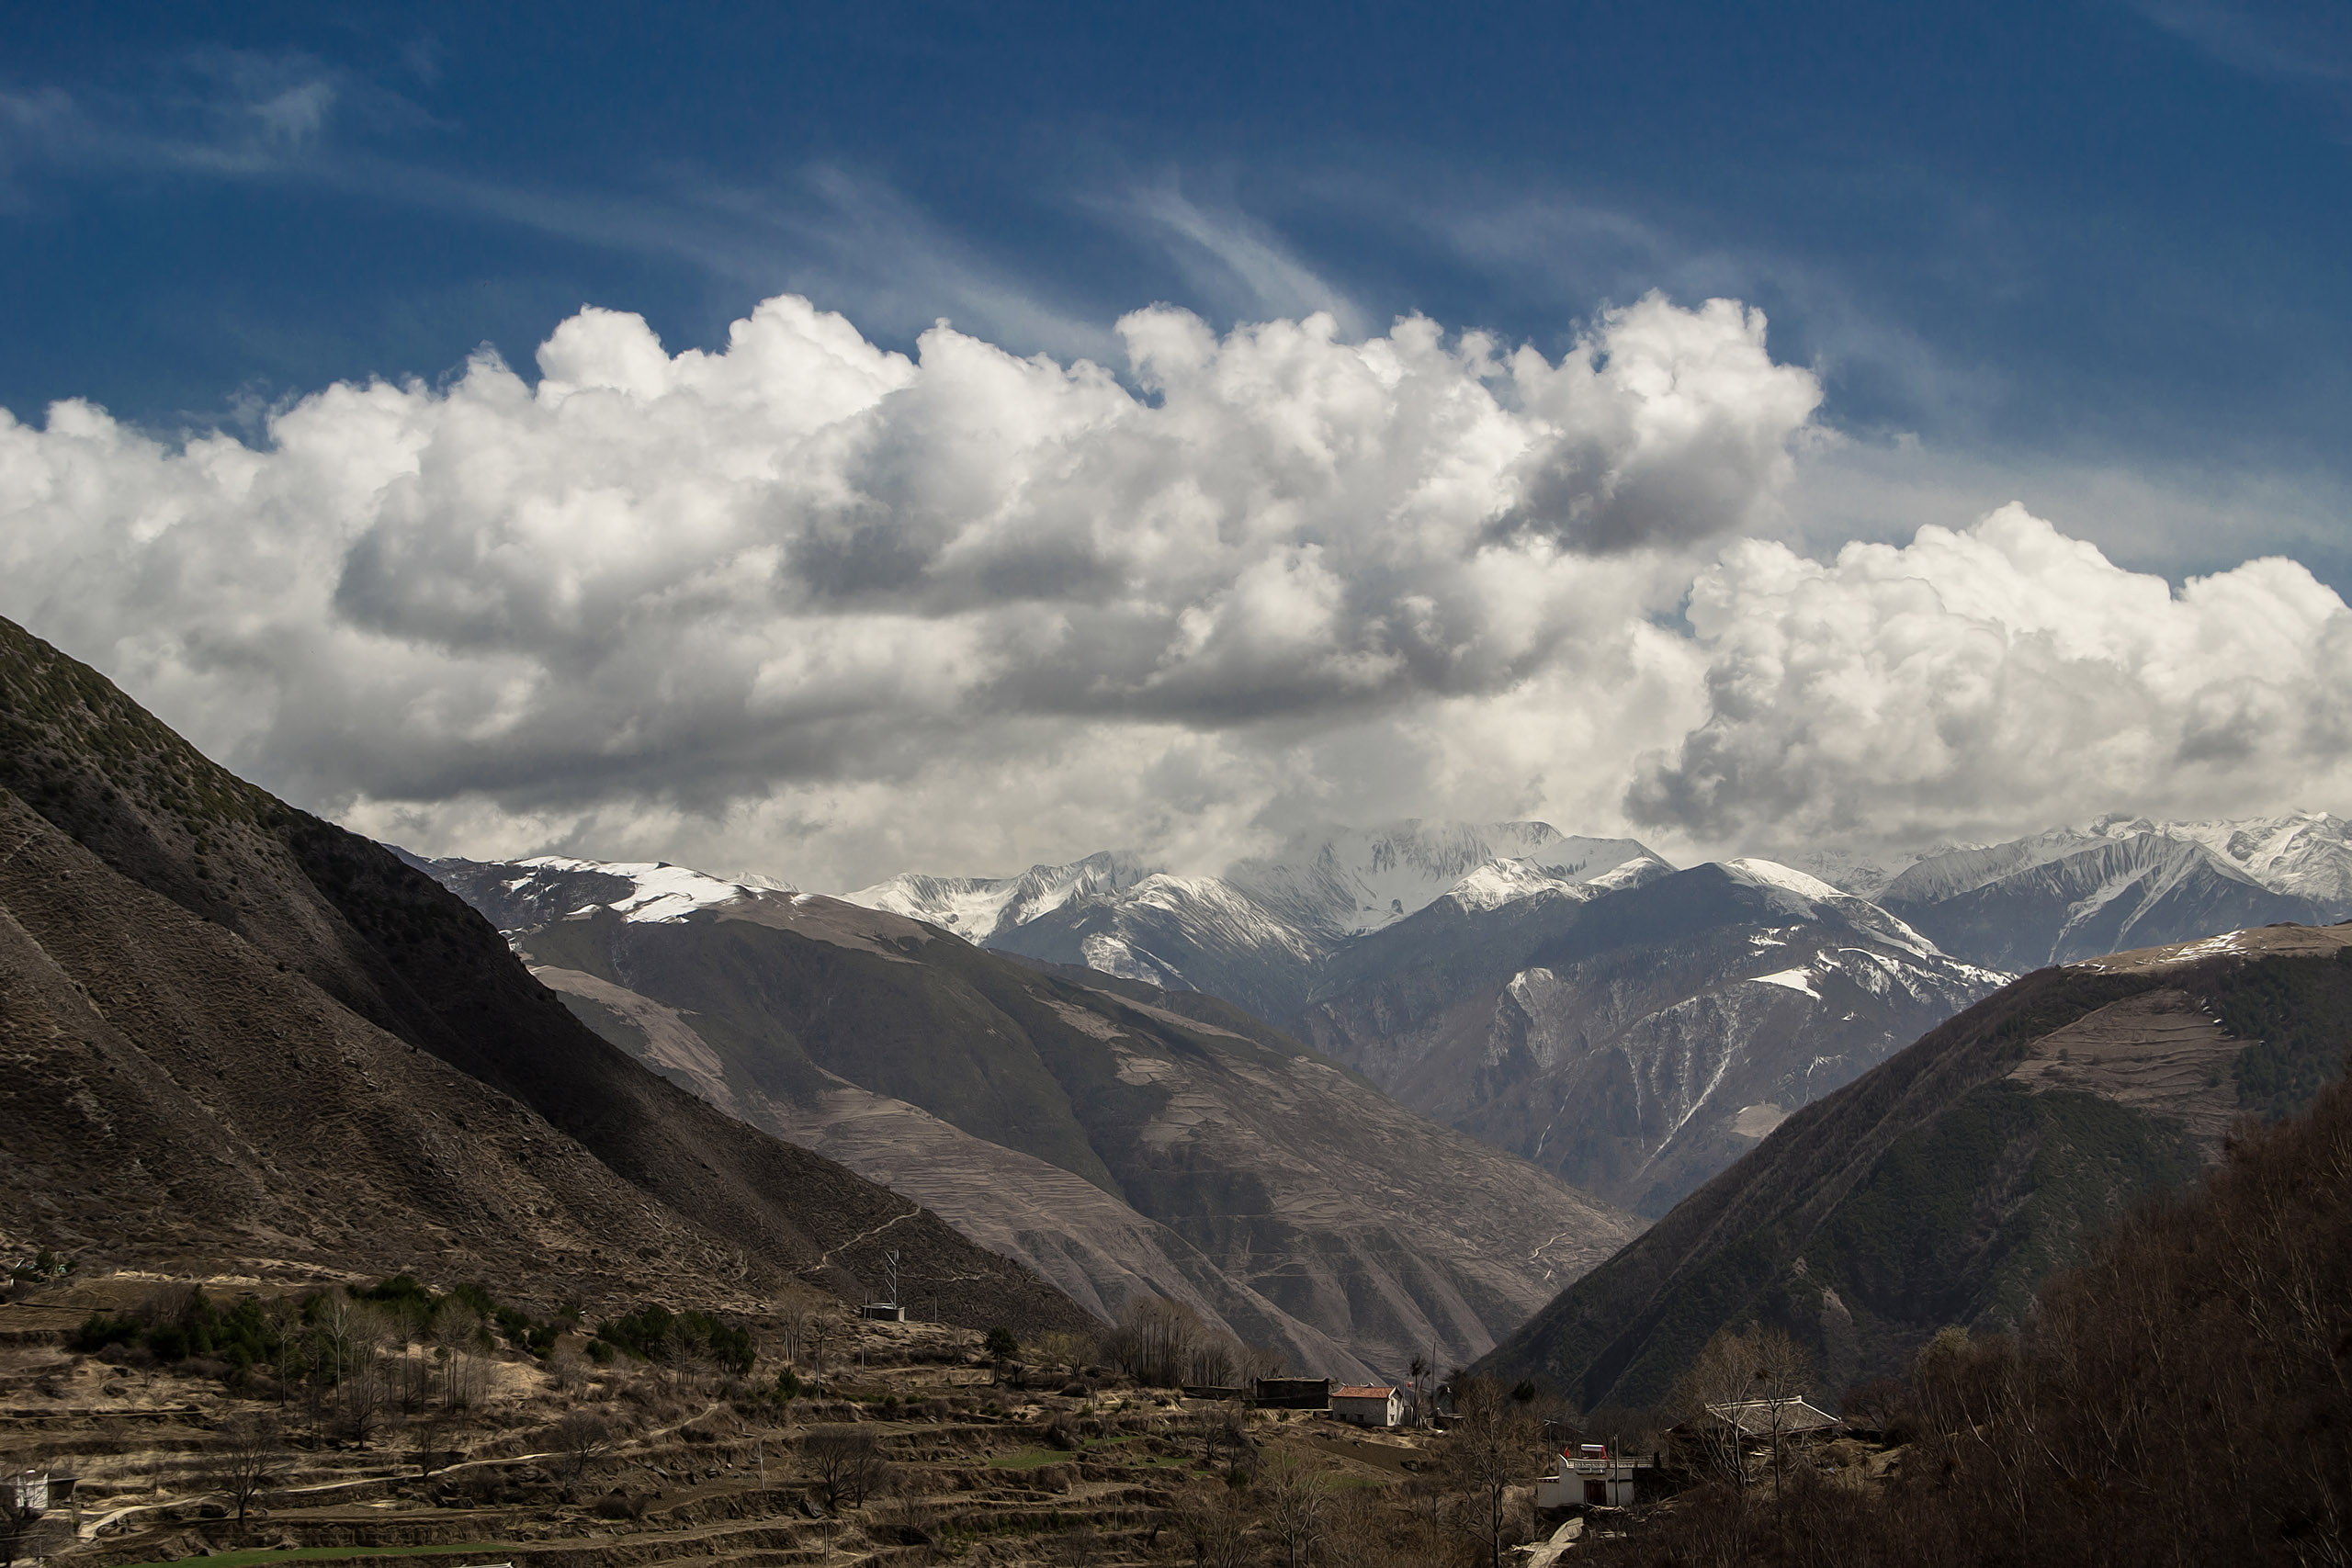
2088, 254
2073, 234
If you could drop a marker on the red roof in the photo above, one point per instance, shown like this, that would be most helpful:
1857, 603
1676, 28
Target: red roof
1365, 1391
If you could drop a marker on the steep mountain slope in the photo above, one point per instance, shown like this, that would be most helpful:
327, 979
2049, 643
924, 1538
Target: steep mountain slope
1635, 1035
1942, 1186
1114, 1135
2062, 896
234, 1032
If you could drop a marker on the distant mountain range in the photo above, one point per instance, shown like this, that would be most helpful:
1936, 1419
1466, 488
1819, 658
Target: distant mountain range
2075, 893
1943, 1186
1579, 1002
1116, 1137
1634, 1036
1257, 935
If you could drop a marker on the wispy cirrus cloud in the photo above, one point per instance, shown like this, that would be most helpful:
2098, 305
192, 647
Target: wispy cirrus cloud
1231, 258
2293, 40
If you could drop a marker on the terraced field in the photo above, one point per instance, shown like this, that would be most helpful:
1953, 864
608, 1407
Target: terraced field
690, 1465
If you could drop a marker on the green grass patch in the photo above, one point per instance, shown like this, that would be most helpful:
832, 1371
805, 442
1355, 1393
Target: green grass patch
1028, 1458
248, 1559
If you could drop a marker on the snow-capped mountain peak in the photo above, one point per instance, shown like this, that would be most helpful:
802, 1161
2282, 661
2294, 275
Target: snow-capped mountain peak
523, 895
1500, 881
1346, 881
979, 907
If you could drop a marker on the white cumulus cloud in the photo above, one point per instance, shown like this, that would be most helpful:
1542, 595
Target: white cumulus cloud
807, 605
1995, 677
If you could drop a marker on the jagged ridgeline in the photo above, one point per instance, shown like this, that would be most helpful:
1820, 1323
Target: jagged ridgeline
1944, 1185
238, 1037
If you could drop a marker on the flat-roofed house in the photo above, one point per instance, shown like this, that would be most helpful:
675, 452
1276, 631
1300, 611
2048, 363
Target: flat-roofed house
1588, 1476
1368, 1405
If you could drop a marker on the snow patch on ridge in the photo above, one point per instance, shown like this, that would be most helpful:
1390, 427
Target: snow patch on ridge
1772, 873
1794, 980
660, 892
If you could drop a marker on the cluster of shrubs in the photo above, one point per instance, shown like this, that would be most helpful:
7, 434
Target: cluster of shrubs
179, 1323
422, 1310
175, 1324
244, 1333
655, 1333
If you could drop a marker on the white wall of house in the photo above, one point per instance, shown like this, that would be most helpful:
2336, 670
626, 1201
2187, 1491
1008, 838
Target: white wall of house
1388, 1412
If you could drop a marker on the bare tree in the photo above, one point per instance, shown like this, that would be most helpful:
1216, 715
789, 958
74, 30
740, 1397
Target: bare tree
465, 1378
1214, 1361
1224, 1429
367, 1387
1154, 1339
1296, 1506
344, 1334
845, 1463
1737, 1368
245, 1457
819, 1329
428, 1437
581, 1437
1060, 1347
1781, 1367
1491, 1448
791, 1317
1217, 1525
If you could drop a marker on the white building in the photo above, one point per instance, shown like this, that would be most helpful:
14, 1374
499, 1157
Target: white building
1589, 1476
1368, 1405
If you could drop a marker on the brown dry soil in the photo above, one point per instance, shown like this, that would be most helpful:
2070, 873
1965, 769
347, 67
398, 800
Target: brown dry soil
2161, 1052
705, 1470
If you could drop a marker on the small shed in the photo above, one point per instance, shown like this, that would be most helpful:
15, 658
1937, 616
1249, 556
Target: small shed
883, 1312
1293, 1394
1368, 1405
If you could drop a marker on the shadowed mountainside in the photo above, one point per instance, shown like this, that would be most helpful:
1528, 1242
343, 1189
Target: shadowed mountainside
1943, 1186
